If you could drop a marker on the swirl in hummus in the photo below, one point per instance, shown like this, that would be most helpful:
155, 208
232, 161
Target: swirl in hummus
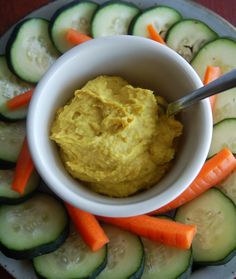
115, 137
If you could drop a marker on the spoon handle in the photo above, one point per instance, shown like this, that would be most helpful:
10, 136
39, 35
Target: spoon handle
219, 85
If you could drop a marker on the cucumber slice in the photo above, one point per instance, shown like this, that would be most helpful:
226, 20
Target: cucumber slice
11, 139
74, 259
32, 228
76, 15
29, 50
225, 106
215, 217
228, 186
162, 261
113, 18
220, 52
10, 86
162, 17
7, 195
224, 135
188, 36
125, 255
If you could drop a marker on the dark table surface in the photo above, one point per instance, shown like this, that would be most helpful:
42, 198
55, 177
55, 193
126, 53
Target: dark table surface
13, 10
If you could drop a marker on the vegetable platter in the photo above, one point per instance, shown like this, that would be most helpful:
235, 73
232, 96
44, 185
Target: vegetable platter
213, 44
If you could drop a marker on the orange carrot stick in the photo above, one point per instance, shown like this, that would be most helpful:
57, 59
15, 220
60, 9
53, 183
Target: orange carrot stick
211, 74
88, 227
75, 37
214, 171
20, 100
24, 169
162, 230
154, 35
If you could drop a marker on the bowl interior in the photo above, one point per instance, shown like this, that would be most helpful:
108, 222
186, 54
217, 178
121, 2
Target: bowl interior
143, 63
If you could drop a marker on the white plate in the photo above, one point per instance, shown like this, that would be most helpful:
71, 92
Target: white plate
189, 9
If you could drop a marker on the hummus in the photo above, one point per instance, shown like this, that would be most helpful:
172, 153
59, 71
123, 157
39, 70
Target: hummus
114, 137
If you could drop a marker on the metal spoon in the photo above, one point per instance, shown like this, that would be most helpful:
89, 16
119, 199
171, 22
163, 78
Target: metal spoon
219, 85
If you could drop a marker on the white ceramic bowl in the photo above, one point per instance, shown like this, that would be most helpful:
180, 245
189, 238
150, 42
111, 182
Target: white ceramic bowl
144, 63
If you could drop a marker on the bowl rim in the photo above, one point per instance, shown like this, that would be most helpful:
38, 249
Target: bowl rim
95, 207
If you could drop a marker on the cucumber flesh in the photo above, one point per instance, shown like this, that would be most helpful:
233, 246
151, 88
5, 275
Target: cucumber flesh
125, 255
32, 228
113, 18
11, 139
76, 15
220, 52
224, 135
73, 259
7, 195
29, 50
228, 186
225, 106
215, 217
162, 261
161, 17
11, 86
188, 36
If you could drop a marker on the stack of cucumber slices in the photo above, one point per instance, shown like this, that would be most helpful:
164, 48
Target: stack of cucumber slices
44, 234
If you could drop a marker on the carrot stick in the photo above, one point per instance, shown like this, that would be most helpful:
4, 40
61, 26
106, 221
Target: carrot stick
75, 37
211, 74
214, 171
20, 100
88, 226
162, 230
154, 35
24, 169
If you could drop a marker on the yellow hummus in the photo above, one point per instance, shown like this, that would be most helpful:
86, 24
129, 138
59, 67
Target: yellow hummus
115, 137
